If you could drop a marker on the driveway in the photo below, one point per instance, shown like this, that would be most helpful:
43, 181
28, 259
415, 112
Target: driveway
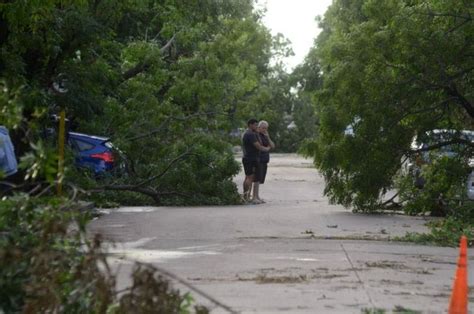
294, 254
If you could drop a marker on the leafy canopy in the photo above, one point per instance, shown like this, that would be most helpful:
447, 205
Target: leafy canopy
390, 70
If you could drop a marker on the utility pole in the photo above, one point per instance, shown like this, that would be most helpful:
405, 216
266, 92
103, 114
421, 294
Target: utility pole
59, 87
61, 140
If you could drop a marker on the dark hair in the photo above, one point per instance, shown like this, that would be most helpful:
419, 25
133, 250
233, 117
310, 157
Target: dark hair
252, 121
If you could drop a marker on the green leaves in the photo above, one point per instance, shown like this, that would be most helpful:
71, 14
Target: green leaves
155, 76
45, 266
40, 162
10, 109
395, 66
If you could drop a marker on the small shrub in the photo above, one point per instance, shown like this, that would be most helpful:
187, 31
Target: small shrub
48, 267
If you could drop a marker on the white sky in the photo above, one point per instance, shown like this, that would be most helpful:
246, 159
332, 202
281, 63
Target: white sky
295, 19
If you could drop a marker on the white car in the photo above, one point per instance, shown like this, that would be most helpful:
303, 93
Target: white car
470, 183
431, 138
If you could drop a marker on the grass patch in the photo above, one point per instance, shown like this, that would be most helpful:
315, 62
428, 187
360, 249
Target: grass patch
445, 232
397, 310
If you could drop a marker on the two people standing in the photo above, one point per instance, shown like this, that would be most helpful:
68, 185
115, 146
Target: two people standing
256, 144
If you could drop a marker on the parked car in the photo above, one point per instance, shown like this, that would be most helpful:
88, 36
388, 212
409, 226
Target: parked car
94, 152
431, 138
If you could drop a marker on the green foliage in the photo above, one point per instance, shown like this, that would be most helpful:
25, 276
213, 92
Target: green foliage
151, 294
397, 310
160, 78
40, 261
444, 190
445, 232
373, 311
274, 103
10, 109
166, 81
41, 162
48, 265
306, 80
387, 71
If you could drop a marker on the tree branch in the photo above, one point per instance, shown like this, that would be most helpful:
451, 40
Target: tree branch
424, 110
139, 68
455, 27
144, 65
168, 44
449, 87
162, 173
155, 195
453, 91
139, 188
443, 144
460, 73
391, 201
465, 17
168, 119
132, 188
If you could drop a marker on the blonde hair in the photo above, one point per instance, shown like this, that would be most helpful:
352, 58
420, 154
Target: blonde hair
263, 123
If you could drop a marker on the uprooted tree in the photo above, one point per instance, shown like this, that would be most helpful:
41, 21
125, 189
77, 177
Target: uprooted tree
388, 71
165, 80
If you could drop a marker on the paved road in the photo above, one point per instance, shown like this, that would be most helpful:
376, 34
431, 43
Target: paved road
294, 254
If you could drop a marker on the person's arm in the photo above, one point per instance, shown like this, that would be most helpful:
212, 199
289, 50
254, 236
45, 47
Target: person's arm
261, 147
272, 145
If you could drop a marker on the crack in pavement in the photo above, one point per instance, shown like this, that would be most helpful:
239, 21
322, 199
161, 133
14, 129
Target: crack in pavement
357, 275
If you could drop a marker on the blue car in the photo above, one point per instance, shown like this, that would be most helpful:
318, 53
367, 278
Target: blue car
93, 152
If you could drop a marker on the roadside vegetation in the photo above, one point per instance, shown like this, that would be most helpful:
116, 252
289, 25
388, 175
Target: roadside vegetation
381, 74
166, 81
397, 310
49, 266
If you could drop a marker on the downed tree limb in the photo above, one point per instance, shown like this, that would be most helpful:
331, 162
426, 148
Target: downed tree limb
391, 204
163, 124
161, 174
132, 188
152, 193
144, 65
149, 191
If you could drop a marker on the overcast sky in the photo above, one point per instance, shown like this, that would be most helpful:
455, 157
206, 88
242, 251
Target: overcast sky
295, 19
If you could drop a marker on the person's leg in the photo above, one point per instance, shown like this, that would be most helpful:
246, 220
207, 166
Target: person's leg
263, 174
255, 189
256, 184
252, 176
247, 186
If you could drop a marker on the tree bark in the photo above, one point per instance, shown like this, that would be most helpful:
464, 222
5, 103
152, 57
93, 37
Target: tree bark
453, 91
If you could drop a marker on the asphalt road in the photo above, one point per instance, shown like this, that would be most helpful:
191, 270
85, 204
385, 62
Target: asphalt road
294, 254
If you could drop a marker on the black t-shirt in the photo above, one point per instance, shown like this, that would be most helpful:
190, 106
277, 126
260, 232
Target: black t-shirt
251, 153
264, 156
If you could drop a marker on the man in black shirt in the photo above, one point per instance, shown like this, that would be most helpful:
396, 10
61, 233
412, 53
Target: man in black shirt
251, 159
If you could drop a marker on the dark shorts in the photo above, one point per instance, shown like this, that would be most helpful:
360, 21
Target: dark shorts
252, 167
263, 172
